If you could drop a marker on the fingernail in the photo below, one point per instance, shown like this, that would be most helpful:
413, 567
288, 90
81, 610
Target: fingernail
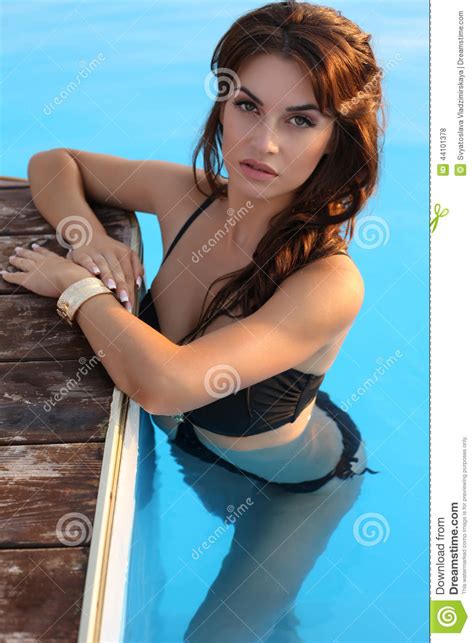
138, 281
17, 248
34, 245
128, 306
95, 270
123, 296
111, 284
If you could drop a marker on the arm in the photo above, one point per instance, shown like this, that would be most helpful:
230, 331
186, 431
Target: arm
62, 180
57, 189
125, 340
310, 309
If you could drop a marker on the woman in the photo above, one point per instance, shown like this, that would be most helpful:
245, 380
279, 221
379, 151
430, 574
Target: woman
295, 123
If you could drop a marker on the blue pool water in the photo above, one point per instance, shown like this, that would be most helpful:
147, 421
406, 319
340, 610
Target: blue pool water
297, 567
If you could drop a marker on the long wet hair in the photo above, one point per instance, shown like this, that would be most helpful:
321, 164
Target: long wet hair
347, 85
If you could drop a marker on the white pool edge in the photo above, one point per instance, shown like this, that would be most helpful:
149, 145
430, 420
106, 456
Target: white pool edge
105, 583
106, 576
115, 593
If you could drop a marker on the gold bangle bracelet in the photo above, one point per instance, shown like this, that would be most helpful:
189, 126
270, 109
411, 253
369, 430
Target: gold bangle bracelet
76, 294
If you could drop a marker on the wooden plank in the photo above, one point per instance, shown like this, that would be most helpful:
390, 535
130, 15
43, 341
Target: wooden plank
31, 329
7, 181
44, 489
18, 214
41, 593
51, 402
54, 413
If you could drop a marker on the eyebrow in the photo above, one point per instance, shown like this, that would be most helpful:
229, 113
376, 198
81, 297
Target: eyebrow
292, 108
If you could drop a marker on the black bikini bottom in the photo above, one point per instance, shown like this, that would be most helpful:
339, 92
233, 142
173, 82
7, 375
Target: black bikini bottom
188, 441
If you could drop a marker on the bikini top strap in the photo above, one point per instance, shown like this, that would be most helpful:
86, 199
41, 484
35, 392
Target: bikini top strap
186, 225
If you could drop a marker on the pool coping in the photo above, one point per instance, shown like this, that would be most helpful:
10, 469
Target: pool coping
105, 584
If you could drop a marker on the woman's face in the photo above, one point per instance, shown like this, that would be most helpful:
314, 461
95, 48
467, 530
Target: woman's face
259, 124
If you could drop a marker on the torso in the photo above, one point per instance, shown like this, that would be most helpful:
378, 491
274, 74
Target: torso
178, 315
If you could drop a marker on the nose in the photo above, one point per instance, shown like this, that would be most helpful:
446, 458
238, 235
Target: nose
265, 139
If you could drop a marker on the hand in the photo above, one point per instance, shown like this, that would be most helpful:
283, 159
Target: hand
43, 272
118, 265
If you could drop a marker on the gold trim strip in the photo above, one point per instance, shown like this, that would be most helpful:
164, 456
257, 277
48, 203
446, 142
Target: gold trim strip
96, 576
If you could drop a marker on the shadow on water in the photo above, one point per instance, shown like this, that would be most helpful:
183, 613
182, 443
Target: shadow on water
277, 538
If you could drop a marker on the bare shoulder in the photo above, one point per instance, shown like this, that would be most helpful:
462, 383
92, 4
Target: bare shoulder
343, 274
182, 194
329, 289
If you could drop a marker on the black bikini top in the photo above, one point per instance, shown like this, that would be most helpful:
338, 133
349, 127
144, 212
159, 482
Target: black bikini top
259, 408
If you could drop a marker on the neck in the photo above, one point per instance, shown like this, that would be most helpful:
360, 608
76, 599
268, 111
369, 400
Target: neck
248, 218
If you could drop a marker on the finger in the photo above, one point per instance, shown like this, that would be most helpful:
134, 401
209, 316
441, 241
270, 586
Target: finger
105, 272
86, 261
138, 270
41, 250
27, 254
14, 277
23, 264
124, 291
127, 267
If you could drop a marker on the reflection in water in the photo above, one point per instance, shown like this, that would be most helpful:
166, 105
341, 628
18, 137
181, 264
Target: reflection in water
277, 538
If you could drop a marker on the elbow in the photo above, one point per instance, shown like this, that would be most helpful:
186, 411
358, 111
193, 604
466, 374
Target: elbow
151, 405
43, 156
164, 391
156, 401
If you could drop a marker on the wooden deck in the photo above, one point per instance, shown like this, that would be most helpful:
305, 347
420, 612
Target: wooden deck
51, 448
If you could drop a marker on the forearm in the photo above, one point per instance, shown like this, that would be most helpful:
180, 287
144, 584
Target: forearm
134, 354
58, 192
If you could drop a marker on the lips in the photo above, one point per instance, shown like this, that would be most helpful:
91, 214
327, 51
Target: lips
256, 165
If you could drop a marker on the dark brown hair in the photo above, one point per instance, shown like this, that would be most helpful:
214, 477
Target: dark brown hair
347, 85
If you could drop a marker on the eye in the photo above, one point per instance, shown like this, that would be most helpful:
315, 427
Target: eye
243, 102
307, 122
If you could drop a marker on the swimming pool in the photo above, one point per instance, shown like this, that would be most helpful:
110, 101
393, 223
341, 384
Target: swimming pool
357, 567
